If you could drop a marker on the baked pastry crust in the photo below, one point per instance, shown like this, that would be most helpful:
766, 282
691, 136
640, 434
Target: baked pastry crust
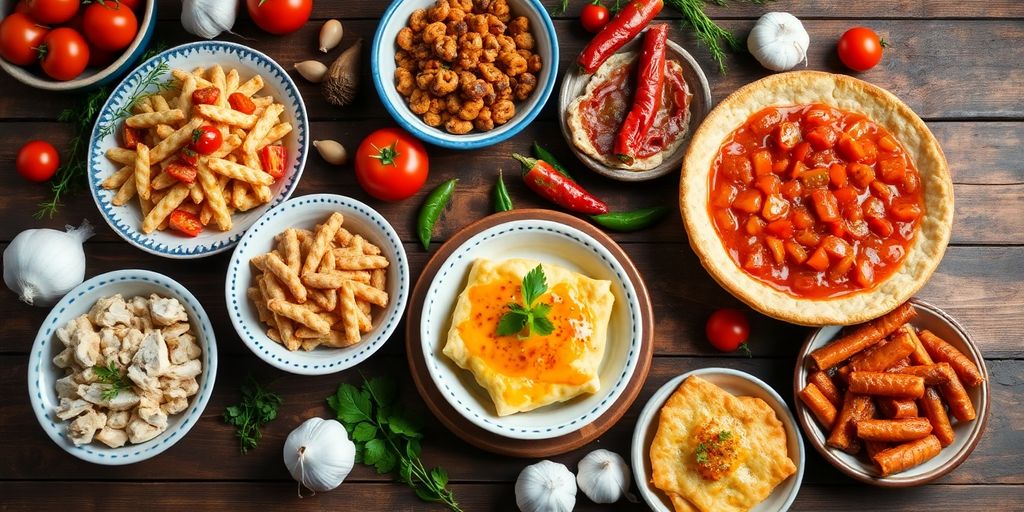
850, 94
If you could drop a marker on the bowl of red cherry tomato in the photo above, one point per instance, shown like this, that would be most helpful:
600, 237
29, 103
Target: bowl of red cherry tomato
70, 45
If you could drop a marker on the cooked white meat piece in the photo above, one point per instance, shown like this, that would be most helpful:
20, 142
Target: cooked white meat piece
110, 344
150, 412
65, 331
139, 306
142, 323
86, 343
65, 358
143, 379
166, 311
125, 399
185, 371
87, 376
175, 330
183, 348
82, 430
174, 406
69, 408
191, 386
129, 345
67, 387
109, 311
117, 419
112, 437
139, 431
152, 355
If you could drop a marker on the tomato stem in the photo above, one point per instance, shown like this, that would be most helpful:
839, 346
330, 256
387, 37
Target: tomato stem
746, 350
883, 42
387, 155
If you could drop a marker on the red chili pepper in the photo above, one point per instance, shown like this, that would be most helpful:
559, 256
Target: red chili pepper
647, 100
550, 184
623, 28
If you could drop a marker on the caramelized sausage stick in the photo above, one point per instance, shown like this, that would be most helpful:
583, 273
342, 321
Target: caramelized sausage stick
919, 355
959, 401
932, 408
855, 407
896, 408
819, 405
863, 337
907, 455
826, 387
886, 356
942, 351
874, 448
933, 374
893, 431
887, 384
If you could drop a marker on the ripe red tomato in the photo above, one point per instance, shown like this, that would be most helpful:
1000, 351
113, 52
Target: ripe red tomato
131, 4
64, 54
37, 161
594, 17
279, 16
185, 223
52, 12
21, 7
727, 329
205, 140
102, 58
19, 38
391, 165
110, 26
860, 48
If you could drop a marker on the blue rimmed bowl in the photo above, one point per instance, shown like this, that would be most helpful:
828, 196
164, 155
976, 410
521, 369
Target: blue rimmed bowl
382, 62
91, 77
43, 374
306, 212
126, 220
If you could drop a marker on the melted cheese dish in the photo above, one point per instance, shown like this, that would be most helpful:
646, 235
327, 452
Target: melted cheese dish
524, 374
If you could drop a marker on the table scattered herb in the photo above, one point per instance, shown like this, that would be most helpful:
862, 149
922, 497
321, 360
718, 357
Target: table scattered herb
258, 408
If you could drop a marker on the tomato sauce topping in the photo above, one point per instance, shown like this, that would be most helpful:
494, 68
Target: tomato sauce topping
815, 201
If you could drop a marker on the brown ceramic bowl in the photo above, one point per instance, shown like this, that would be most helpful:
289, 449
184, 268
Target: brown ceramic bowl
858, 466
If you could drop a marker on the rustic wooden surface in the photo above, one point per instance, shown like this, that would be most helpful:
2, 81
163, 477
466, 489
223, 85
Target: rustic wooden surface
960, 65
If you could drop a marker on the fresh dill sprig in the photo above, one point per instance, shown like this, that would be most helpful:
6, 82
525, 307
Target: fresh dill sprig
111, 375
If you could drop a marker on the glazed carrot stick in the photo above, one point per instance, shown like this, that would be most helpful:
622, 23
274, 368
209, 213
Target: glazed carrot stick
819, 405
863, 337
875, 447
886, 356
932, 407
960, 405
942, 351
896, 408
907, 455
919, 355
855, 407
933, 374
826, 387
887, 384
893, 431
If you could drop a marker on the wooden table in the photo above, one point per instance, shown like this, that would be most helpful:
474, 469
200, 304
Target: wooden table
959, 65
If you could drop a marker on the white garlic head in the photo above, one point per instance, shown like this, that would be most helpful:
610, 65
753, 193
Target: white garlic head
603, 476
319, 454
546, 487
778, 41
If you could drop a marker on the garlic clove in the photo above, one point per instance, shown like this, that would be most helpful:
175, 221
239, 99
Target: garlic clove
604, 477
342, 80
331, 151
311, 70
330, 35
546, 487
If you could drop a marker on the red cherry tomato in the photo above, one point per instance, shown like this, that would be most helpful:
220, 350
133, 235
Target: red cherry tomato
272, 159
391, 165
64, 54
110, 26
19, 38
185, 222
279, 16
21, 7
37, 161
205, 140
594, 17
52, 12
727, 329
860, 48
205, 96
241, 103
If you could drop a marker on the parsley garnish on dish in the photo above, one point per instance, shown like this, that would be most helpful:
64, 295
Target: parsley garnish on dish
528, 317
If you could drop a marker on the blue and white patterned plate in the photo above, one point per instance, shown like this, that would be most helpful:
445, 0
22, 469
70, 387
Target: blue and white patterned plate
306, 212
554, 243
43, 374
127, 220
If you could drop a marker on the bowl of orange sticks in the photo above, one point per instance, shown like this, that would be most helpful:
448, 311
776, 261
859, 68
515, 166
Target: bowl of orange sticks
895, 402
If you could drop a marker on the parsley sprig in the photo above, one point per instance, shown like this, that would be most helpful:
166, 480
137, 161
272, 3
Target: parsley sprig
111, 375
258, 408
387, 439
528, 316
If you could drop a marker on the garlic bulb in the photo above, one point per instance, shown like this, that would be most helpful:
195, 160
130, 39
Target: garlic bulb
546, 487
42, 265
319, 454
332, 151
312, 70
208, 18
778, 41
604, 477
330, 35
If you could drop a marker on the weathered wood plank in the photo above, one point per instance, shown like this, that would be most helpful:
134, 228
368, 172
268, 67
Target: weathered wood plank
31, 455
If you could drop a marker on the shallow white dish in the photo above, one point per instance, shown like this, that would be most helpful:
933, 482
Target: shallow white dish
307, 212
43, 374
126, 220
739, 384
549, 242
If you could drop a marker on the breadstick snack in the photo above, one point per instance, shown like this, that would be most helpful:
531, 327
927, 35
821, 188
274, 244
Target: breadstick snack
188, 135
317, 288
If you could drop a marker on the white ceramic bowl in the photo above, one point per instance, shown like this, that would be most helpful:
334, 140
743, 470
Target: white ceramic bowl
90, 77
307, 212
43, 374
739, 384
382, 63
549, 242
126, 220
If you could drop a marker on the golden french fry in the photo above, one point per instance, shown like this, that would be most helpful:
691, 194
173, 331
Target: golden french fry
160, 103
231, 142
290, 248
214, 197
319, 297
142, 170
188, 86
146, 205
176, 141
361, 263
184, 76
189, 207
226, 115
349, 313
321, 242
196, 194
163, 131
231, 82
142, 106
378, 278
369, 248
239, 191
300, 314
270, 262
343, 238
121, 155
167, 204
256, 296
365, 325
239, 172
248, 201
263, 101
251, 86
266, 121
369, 293
275, 134
323, 281
272, 289
219, 81
118, 178
162, 181
273, 334
151, 119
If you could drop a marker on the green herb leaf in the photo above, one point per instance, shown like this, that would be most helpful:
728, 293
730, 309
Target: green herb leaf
529, 316
702, 453
439, 476
364, 432
111, 376
353, 405
403, 427
542, 326
383, 391
511, 323
724, 436
375, 449
534, 285
258, 408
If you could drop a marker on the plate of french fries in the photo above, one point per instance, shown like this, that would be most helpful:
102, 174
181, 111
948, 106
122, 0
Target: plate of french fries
318, 284
194, 146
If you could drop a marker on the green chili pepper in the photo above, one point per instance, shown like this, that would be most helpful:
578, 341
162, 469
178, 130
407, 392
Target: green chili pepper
546, 155
432, 208
632, 220
502, 201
